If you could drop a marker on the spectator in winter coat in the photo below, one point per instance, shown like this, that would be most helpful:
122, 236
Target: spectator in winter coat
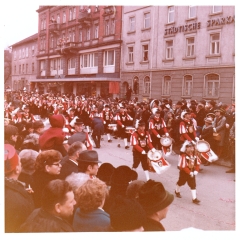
18, 201
56, 208
47, 168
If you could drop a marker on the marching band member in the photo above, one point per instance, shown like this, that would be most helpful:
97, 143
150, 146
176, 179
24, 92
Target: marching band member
157, 128
107, 117
189, 165
69, 118
187, 128
142, 143
79, 135
122, 119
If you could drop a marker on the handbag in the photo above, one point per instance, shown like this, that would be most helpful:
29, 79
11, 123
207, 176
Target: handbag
216, 136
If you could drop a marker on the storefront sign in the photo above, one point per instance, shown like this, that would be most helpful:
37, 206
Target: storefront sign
220, 21
197, 25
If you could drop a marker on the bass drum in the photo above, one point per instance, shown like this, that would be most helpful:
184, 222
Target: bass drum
156, 162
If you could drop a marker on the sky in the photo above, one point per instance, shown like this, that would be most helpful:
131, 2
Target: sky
20, 19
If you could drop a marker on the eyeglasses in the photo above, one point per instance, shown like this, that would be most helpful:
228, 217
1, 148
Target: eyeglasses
57, 164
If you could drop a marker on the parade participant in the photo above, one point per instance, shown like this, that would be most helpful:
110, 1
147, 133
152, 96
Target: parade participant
47, 168
155, 200
18, 117
80, 135
89, 215
189, 165
187, 129
56, 208
138, 114
219, 126
70, 164
107, 117
18, 201
53, 137
157, 128
88, 163
69, 118
122, 119
26, 116
142, 143
10, 111
98, 129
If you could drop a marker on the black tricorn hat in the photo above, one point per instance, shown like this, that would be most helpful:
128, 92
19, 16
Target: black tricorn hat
90, 156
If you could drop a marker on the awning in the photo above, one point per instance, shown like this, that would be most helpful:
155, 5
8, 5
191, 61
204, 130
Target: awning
103, 79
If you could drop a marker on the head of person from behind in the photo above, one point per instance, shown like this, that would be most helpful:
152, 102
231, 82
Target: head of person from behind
88, 162
58, 198
49, 161
12, 163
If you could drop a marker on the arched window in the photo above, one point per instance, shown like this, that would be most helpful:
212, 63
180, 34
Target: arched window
146, 87
125, 87
136, 85
166, 86
212, 84
187, 85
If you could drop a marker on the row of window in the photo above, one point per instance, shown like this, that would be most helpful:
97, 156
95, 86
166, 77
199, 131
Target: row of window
169, 48
192, 13
22, 69
23, 53
210, 89
88, 60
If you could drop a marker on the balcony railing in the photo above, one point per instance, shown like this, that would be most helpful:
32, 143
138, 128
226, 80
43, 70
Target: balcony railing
53, 27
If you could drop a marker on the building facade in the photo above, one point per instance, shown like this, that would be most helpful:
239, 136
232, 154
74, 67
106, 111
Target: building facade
24, 63
79, 50
178, 52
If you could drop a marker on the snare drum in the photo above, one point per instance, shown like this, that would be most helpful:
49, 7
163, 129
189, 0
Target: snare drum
112, 127
130, 129
166, 143
202, 146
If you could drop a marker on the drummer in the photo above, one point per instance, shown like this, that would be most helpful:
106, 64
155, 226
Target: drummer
187, 129
107, 117
122, 120
157, 128
142, 143
189, 165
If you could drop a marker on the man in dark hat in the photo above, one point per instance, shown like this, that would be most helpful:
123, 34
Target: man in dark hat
142, 143
88, 163
80, 135
155, 200
219, 126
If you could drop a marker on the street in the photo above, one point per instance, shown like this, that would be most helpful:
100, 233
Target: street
215, 189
